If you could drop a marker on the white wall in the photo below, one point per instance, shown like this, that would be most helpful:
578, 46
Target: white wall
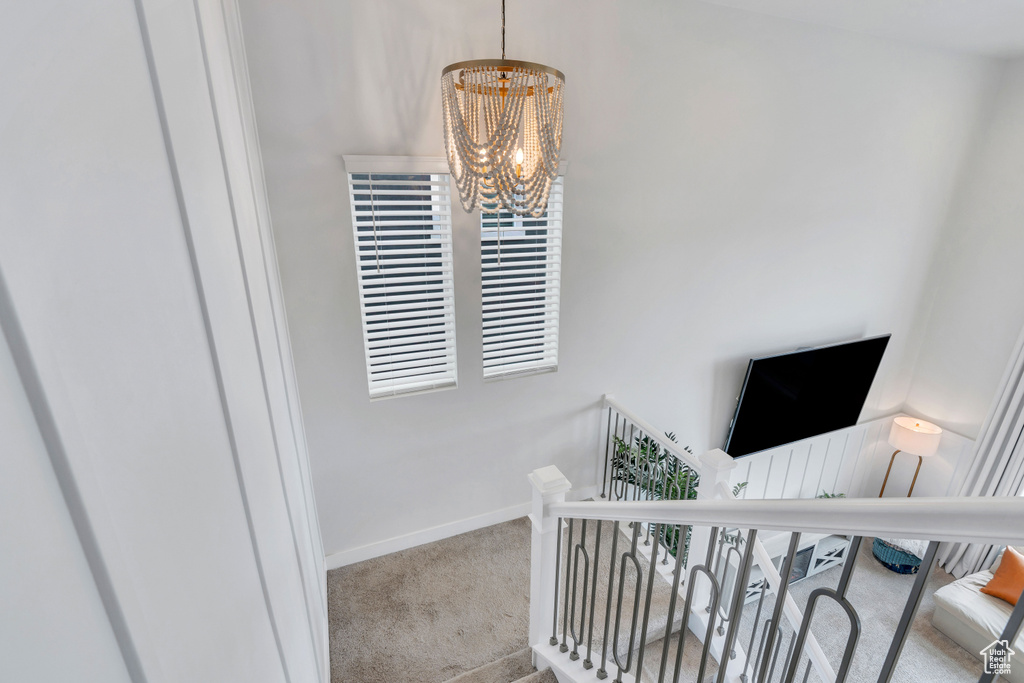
135, 294
977, 309
53, 627
738, 185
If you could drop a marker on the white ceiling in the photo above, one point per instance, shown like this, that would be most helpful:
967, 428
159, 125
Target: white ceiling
988, 27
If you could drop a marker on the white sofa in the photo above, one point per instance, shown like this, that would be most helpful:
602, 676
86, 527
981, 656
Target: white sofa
974, 619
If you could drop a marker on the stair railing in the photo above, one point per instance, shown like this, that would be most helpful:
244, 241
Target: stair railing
586, 637
641, 462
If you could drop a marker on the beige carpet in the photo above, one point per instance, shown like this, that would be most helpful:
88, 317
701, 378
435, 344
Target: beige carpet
428, 614
431, 613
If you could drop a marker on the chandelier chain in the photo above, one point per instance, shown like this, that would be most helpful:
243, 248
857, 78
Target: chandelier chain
503, 29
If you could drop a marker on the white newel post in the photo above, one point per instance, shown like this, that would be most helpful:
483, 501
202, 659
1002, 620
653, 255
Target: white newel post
549, 486
715, 467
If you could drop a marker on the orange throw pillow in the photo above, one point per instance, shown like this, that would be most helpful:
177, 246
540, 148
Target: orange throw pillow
1008, 581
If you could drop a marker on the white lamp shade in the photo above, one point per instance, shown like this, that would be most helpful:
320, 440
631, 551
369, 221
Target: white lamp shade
913, 436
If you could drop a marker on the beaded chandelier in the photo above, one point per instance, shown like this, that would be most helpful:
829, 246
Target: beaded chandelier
503, 131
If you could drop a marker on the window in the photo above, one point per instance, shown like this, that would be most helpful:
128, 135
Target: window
520, 277
401, 220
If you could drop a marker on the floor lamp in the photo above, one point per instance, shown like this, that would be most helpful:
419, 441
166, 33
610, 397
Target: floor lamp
915, 437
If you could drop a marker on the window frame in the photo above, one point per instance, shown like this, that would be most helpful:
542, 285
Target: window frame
442, 283
549, 302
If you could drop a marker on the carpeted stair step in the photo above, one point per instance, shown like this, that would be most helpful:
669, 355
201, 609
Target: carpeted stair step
545, 676
517, 666
689, 666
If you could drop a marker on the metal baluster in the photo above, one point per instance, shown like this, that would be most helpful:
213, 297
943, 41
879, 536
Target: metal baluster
717, 566
689, 482
704, 569
602, 673
564, 647
739, 598
676, 578
909, 611
625, 456
664, 474
851, 640
760, 646
647, 604
640, 472
725, 549
643, 451
649, 472
789, 653
616, 468
839, 596
775, 659
669, 487
851, 560
611, 485
780, 599
631, 555
670, 472
725, 616
588, 662
636, 467
664, 496
643, 442
580, 547
753, 629
558, 564
807, 671
607, 448
623, 474
683, 543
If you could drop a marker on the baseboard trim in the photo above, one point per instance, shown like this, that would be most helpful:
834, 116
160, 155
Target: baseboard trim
429, 535
439, 532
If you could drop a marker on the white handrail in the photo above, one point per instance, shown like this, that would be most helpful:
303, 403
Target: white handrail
653, 432
993, 520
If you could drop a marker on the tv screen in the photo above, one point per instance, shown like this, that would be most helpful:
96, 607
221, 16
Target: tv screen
798, 395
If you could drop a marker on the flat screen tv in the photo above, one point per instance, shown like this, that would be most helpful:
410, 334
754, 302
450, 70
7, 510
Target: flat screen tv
794, 396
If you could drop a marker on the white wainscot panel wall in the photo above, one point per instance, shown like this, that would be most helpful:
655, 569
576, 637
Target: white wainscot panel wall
852, 461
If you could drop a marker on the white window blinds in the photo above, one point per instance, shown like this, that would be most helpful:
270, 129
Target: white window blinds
403, 242
521, 275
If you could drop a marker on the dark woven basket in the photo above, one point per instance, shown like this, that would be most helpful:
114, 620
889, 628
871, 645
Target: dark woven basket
895, 559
